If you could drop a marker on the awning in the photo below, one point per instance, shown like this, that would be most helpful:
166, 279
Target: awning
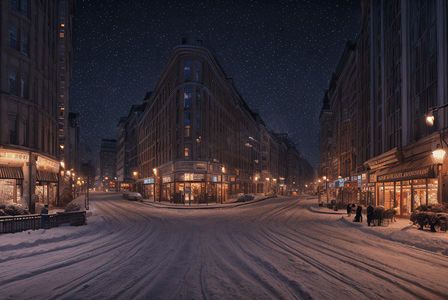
47, 176
11, 172
417, 168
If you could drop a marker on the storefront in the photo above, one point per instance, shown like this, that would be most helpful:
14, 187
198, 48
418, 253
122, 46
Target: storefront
406, 186
11, 179
11, 175
46, 188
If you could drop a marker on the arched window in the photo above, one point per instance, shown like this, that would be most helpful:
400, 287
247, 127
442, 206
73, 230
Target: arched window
187, 70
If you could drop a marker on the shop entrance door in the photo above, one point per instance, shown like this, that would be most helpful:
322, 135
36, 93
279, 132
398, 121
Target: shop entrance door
187, 193
406, 200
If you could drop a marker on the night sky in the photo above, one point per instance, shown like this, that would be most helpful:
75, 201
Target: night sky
280, 54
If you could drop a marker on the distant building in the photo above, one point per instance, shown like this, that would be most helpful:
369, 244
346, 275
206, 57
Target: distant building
127, 146
108, 163
376, 146
30, 85
198, 141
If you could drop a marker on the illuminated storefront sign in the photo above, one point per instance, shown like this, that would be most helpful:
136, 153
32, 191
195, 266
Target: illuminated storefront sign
148, 181
44, 164
12, 157
407, 174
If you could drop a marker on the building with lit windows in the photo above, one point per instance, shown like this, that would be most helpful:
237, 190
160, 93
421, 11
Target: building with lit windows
198, 141
384, 150
29, 97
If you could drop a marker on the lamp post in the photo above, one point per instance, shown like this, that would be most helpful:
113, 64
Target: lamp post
438, 154
437, 157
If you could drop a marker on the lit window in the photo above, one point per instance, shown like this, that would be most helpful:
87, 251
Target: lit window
61, 33
187, 70
187, 152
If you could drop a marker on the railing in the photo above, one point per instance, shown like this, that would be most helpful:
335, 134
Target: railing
12, 224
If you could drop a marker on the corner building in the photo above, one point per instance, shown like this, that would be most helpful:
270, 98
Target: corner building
198, 140
29, 87
401, 64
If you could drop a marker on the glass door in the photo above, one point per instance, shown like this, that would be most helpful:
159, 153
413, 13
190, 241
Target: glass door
389, 195
419, 194
397, 203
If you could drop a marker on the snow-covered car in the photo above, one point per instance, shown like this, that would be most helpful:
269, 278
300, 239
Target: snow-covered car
125, 194
134, 196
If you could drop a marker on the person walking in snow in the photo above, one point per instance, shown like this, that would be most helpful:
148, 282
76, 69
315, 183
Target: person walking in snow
349, 210
358, 217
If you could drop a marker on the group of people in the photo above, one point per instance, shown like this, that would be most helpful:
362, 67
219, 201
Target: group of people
358, 216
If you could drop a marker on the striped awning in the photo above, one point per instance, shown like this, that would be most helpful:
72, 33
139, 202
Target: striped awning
11, 172
46, 176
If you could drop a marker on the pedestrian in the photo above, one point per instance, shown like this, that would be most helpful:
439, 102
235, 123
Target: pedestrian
369, 215
349, 210
358, 216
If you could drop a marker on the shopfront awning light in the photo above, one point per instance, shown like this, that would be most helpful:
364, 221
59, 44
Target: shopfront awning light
438, 156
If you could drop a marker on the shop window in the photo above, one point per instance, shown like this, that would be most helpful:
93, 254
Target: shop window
187, 70
13, 33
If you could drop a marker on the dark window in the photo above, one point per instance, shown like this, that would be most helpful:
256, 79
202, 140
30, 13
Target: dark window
13, 82
25, 45
24, 88
187, 70
187, 97
198, 98
15, 4
25, 8
198, 70
12, 129
184, 40
13, 37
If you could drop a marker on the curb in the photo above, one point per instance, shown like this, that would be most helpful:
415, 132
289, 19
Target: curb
325, 212
190, 207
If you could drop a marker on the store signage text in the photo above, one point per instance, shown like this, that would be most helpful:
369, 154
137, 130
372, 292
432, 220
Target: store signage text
6, 157
399, 175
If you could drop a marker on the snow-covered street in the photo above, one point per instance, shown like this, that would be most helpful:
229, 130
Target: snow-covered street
272, 249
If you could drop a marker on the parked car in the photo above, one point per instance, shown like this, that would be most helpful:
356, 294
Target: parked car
125, 194
134, 196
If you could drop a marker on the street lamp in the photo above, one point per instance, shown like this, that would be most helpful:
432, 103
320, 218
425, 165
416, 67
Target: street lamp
438, 154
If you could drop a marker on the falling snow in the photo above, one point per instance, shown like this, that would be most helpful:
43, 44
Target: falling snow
281, 55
